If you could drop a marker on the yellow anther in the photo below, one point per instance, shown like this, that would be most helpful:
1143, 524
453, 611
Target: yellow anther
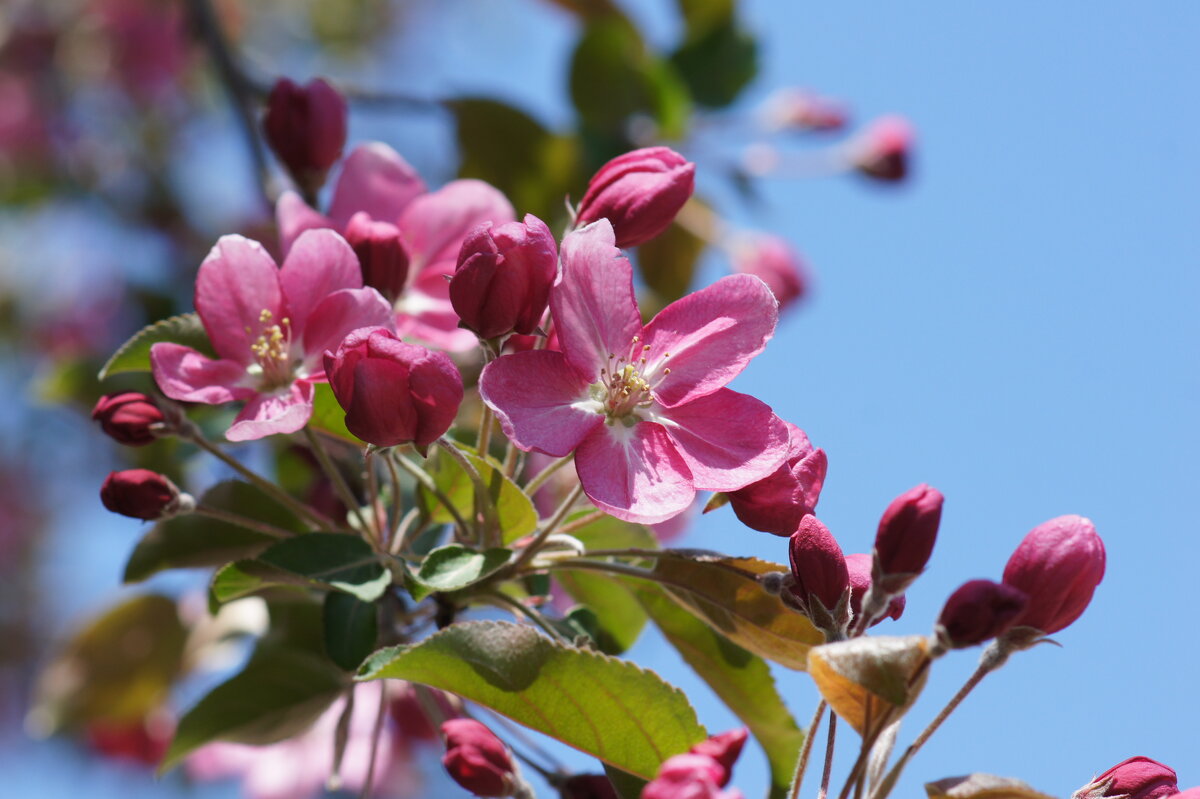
265, 315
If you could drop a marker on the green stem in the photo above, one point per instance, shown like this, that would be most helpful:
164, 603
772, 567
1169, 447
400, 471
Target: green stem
510, 459
560, 513
518, 610
602, 566
425, 480
581, 522
806, 750
335, 476
483, 498
242, 521
485, 432
397, 497
540, 479
378, 515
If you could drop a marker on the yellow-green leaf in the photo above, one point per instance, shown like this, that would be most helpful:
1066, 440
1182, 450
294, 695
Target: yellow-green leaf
870, 680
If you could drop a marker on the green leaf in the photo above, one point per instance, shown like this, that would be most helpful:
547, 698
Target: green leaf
610, 709
726, 594
518, 517
118, 667
280, 693
718, 64
701, 16
134, 354
351, 627
343, 561
328, 416
619, 616
247, 577
192, 541
625, 784
609, 532
743, 682
668, 262
454, 567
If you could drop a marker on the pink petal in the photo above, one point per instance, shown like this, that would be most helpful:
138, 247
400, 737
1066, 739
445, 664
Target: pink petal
435, 225
593, 305
186, 375
293, 216
268, 414
236, 283
436, 328
320, 263
541, 402
377, 180
728, 439
336, 316
634, 473
710, 335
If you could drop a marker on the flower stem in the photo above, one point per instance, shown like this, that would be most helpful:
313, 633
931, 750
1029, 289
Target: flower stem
518, 610
376, 734
560, 513
397, 497
425, 480
483, 498
806, 750
485, 432
582, 521
400, 539
829, 742
242, 521
540, 479
335, 476
377, 515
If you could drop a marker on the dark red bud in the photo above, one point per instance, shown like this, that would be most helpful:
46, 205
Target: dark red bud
882, 150
1137, 778
908, 530
777, 503
1058, 564
818, 566
131, 418
503, 278
859, 568
139, 493
381, 254
774, 261
639, 192
393, 393
306, 128
724, 749
476, 759
588, 786
979, 611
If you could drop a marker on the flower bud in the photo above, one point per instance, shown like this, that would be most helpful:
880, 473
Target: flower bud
979, 611
1058, 564
908, 530
724, 749
771, 259
503, 279
393, 393
142, 494
1135, 778
129, 417
778, 502
476, 759
639, 192
587, 786
689, 776
818, 566
798, 109
882, 150
306, 128
858, 566
1190, 793
381, 254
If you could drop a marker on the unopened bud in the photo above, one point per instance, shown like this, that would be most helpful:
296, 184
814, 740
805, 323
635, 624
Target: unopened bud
724, 749
818, 565
639, 192
777, 503
907, 532
130, 418
979, 611
381, 254
476, 759
882, 150
1058, 564
306, 128
142, 494
587, 786
774, 261
802, 110
1135, 778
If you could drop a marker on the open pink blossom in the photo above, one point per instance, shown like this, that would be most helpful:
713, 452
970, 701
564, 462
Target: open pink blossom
644, 408
270, 328
376, 184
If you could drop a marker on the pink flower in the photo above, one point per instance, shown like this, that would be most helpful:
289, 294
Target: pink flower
775, 261
777, 503
690, 776
643, 407
1135, 778
377, 182
882, 150
270, 328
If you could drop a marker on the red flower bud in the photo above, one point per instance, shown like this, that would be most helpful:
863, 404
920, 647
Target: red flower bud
142, 740
588, 786
777, 503
818, 566
128, 417
724, 749
393, 393
689, 776
139, 493
859, 568
882, 150
639, 192
908, 530
802, 110
306, 128
1135, 778
476, 759
381, 254
979, 611
503, 279
1059, 565
773, 260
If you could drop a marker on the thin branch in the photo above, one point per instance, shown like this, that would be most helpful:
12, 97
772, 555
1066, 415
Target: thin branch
802, 760
335, 476
242, 521
425, 480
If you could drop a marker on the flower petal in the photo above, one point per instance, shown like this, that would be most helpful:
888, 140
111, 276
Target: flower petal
593, 305
634, 473
425, 314
541, 402
186, 375
728, 439
293, 216
268, 414
235, 284
710, 335
377, 180
435, 225
338, 315
320, 263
